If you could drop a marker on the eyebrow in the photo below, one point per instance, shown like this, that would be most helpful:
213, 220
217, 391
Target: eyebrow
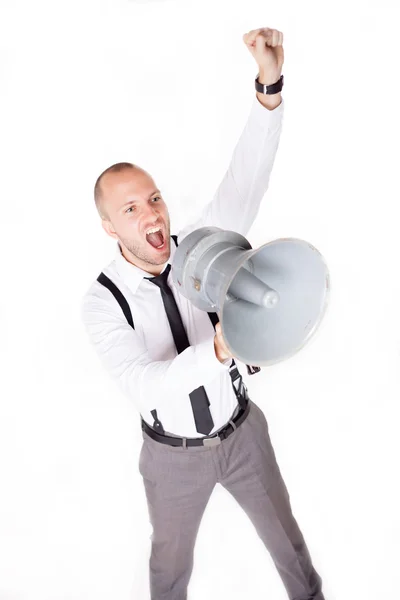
151, 195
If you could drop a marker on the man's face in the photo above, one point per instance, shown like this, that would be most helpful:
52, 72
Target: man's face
133, 205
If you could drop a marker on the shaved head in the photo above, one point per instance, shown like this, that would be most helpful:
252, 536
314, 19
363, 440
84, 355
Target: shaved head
133, 211
99, 195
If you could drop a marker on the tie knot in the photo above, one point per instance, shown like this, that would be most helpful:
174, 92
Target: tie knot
161, 279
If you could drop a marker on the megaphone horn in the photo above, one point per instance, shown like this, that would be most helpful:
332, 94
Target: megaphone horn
269, 301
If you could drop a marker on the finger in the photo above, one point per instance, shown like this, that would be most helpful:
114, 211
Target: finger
251, 37
246, 36
220, 337
223, 346
261, 42
273, 37
273, 41
265, 37
267, 31
280, 38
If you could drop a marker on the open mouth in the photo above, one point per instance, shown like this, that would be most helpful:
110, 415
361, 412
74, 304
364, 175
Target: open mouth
155, 237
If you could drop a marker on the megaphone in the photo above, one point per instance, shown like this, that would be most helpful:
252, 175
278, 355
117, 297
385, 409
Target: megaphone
269, 301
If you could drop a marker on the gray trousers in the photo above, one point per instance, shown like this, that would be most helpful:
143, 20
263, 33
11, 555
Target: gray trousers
178, 484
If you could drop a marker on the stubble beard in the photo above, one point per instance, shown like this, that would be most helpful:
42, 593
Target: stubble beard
138, 250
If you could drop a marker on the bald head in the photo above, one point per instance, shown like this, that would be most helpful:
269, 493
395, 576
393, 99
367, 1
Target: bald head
130, 206
99, 192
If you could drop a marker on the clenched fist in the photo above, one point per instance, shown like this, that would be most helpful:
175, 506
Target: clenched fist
265, 45
221, 350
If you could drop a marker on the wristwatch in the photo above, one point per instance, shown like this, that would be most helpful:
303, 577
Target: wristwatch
269, 89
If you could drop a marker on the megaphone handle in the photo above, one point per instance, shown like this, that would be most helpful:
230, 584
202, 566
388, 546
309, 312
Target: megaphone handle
251, 370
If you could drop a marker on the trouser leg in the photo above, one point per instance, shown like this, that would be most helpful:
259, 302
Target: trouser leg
253, 477
178, 483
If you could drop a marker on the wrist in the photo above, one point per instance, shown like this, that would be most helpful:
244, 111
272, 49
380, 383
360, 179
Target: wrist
268, 78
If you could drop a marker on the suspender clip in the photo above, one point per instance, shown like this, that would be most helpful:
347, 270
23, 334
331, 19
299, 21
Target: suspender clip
251, 370
157, 423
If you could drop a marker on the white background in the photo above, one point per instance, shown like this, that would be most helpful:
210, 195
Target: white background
169, 85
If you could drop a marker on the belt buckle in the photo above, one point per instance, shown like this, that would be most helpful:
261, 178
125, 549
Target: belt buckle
212, 441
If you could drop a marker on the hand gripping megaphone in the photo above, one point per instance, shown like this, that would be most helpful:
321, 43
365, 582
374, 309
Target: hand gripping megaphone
270, 301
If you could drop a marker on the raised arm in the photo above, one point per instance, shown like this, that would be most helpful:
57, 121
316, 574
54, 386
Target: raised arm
237, 200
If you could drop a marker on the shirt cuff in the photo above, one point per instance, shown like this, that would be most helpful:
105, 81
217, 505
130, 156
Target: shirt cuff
207, 359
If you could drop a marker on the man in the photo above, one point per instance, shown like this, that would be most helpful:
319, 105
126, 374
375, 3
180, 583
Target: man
199, 426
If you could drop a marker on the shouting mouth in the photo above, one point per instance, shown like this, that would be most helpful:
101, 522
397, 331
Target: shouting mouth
155, 237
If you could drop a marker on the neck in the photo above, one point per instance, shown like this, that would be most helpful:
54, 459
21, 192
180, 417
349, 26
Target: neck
135, 261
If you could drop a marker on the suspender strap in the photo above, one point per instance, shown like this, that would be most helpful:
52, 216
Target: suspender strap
213, 318
240, 390
120, 298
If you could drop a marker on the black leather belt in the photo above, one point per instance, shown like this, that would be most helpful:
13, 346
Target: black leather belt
213, 440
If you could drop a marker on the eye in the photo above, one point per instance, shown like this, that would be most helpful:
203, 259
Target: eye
156, 198
129, 209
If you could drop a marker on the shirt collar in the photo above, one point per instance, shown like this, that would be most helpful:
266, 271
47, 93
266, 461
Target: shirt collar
131, 275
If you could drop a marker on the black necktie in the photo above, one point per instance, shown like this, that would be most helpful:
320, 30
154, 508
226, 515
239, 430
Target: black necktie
198, 398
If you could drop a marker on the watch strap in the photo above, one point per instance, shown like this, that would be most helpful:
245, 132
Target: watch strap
269, 89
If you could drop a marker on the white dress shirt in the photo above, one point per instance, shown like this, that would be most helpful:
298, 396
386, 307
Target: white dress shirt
144, 360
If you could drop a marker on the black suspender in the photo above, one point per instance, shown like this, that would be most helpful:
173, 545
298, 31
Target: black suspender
120, 298
240, 390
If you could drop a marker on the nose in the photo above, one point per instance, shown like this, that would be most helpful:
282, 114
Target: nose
150, 211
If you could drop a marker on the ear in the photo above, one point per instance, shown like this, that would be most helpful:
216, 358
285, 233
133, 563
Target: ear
108, 228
